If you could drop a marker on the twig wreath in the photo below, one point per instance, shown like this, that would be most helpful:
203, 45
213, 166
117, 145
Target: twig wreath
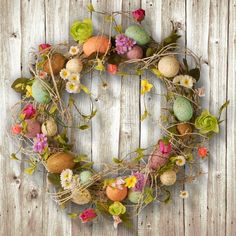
42, 119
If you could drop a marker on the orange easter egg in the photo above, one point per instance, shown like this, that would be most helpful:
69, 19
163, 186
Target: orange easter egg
116, 194
96, 44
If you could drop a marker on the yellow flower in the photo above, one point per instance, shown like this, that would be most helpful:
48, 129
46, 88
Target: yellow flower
180, 161
28, 91
130, 181
146, 86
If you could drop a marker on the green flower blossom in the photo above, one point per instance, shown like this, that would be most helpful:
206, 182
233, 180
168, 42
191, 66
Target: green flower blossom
117, 209
81, 30
206, 123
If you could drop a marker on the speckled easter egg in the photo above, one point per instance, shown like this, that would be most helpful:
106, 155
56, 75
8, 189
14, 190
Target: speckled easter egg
157, 159
135, 53
96, 44
134, 196
168, 66
57, 63
168, 178
60, 161
81, 197
33, 128
183, 109
74, 65
85, 176
138, 34
49, 127
116, 194
39, 92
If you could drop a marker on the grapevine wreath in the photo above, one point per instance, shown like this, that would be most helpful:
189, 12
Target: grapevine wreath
42, 120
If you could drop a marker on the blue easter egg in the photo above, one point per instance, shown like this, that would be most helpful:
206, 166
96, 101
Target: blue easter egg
39, 92
138, 34
183, 109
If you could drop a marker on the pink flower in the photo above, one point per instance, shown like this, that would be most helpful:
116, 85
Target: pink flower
40, 143
16, 129
202, 152
138, 14
124, 44
141, 181
119, 183
87, 215
42, 74
29, 111
112, 69
165, 147
44, 46
200, 91
117, 220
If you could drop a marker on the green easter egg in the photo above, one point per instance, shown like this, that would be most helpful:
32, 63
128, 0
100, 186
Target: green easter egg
183, 109
40, 93
134, 196
138, 34
85, 176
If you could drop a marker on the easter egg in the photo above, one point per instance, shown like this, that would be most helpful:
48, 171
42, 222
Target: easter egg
157, 159
116, 194
49, 127
74, 65
81, 197
134, 196
138, 34
184, 129
168, 66
183, 109
96, 44
60, 161
168, 178
57, 63
39, 92
85, 176
135, 53
33, 128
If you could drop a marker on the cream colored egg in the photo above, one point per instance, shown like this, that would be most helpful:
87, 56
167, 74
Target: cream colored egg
168, 66
49, 127
168, 178
81, 197
74, 65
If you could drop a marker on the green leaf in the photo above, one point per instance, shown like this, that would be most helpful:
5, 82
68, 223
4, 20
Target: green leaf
148, 195
172, 38
14, 157
118, 29
145, 115
90, 7
139, 72
186, 64
54, 179
195, 73
72, 215
83, 127
53, 109
19, 85
140, 154
168, 196
80, 158
224, 106
30, 170
116, 160
85, 89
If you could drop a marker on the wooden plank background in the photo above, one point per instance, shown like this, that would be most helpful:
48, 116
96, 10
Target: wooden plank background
208, 27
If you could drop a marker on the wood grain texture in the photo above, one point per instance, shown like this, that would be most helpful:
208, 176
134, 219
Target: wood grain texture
208, 28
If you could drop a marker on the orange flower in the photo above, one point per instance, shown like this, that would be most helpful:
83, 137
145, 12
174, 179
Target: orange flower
112, 68
202, 152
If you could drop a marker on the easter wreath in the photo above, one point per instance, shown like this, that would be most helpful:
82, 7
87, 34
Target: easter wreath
42, 119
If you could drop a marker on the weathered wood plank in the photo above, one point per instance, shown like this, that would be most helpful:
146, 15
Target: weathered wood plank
10, 172
231, 124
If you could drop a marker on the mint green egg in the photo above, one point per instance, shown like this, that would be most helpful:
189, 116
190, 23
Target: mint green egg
134, 196
183, 109
138, 34
40, 93
85, 176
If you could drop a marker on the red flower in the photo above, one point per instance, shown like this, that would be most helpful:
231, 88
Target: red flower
138, 14
202, 152
87, 215
29, 111
44, 46
165, 147
16, 129
112, 68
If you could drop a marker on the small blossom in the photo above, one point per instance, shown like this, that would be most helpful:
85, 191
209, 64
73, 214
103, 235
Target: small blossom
145, 86
119, 183
112, 68
184, 194
66, 175
200, 92
117, 221
184, 80
130, 181
40, 143
124, 44
202, 152
72, 87
29, 111
74, 50
116, 209
75, 78
44, 47
140, 181
87, 215
16, 129
165, 147
180, 161
64, 73
69, 185
42, 74
138, 14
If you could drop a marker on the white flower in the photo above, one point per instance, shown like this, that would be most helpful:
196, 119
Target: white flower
183, 194
68, 184
187, 81
66, 175
177, 79
75, 78
201, 91
72, 87
74, 50
64, 73
180, 161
